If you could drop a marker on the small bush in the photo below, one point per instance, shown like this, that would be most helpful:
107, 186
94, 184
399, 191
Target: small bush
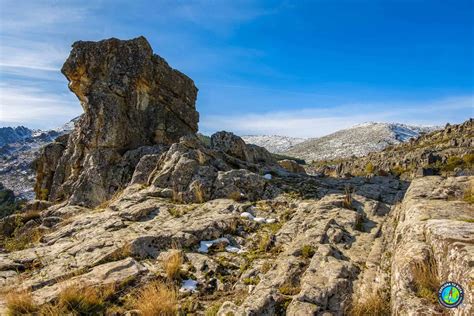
452, 163
397, 171
307, 251
369, 168
20, 303
43, 194
156, 298
172, 264
469, 160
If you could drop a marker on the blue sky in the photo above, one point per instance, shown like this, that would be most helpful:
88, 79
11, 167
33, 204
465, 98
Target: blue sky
297, 68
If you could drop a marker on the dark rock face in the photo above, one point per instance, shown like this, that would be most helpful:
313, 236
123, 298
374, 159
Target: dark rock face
131, 98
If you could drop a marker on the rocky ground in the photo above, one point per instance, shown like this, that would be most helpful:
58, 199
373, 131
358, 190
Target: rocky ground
157, 221
312, 249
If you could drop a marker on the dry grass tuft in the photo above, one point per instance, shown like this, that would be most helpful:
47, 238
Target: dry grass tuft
426, 282
107, 203
23, 241
265, 243
172, 264
20, 303
120, 254
156, 298
85, 300
236, 196
347, 202
375, 303
30, 215
469, 194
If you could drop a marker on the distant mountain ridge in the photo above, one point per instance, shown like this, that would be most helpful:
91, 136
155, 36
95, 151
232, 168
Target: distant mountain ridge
273, 143
358, 141
19, 146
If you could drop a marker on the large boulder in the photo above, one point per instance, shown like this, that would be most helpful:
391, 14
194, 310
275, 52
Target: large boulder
235, 146
131, 98
196, 173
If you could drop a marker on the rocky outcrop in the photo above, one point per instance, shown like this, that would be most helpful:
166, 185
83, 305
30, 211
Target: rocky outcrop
291, 166
131, 98
426, 241
195, 173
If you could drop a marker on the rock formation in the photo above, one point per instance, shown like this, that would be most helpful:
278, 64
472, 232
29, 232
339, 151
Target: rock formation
131, 98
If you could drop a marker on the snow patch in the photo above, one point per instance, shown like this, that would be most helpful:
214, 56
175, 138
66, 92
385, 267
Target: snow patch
189, 285
206, 244
233, 249
260, 220
268, 176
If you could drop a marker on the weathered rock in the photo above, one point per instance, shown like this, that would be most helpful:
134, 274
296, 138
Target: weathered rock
234, 146
291, 166
196, 173
131, 94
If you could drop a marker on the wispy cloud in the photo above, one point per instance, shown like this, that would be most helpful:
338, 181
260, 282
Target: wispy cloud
35, 106
323, 121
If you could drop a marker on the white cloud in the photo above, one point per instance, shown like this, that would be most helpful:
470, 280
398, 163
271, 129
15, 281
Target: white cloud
35, 108
323, 121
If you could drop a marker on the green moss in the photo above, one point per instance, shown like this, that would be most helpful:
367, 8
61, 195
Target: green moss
289, 289
307, 251
251, 281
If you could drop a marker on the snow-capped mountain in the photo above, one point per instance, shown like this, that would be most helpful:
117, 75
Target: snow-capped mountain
273, 143
358, 140
19, 146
